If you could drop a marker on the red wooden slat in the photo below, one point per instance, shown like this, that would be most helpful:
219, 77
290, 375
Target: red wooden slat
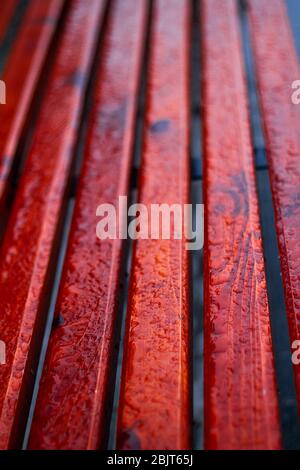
73, 401
21, 74
155, 403
29, 243
241, 409
277, 67
7, 10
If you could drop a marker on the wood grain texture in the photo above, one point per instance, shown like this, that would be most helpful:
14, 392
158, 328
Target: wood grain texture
28, 251
241, 409
277, 67
77, 383
155, 403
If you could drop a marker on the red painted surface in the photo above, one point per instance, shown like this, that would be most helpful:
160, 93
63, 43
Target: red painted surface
7, 10
73, 402
21, 74
29, 243
155, 403
241, 410
277, 67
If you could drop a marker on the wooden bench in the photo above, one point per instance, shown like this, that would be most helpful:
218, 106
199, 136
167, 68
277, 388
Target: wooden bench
68, 131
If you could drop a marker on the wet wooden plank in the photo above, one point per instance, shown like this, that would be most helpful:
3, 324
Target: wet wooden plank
277, 68
29, 246
21, 74
73, 406
241, 407
155, 403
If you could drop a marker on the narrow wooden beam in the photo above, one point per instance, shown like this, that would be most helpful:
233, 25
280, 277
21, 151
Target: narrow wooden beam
29, 247
241, 407
155, 404
73, 406
277, 67
20, 76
